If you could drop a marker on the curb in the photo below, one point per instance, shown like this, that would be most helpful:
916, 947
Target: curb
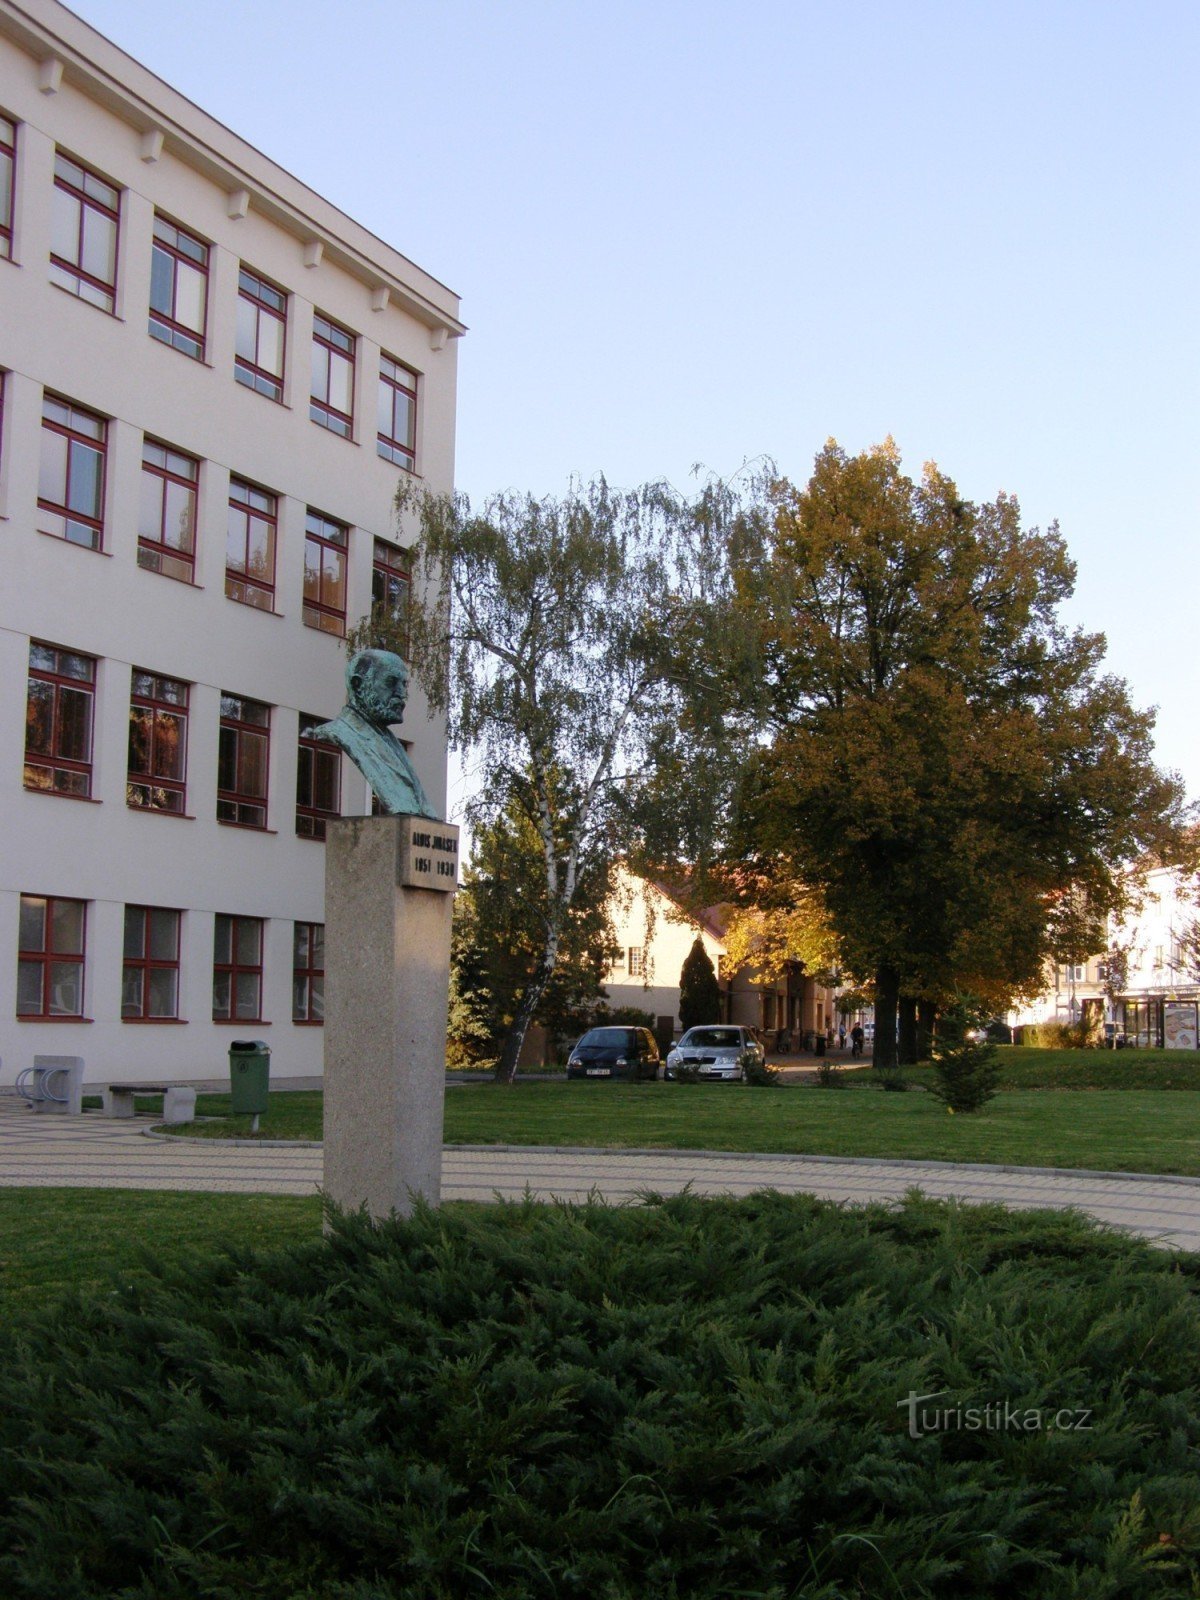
619, 1151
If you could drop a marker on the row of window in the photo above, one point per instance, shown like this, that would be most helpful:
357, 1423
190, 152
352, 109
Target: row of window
71, 489
52, 949
60, 716
85, 231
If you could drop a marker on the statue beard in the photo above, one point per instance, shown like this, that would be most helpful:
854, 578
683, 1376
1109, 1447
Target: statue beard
378, 709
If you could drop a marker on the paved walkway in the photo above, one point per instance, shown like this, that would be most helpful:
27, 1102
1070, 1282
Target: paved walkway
93, 1151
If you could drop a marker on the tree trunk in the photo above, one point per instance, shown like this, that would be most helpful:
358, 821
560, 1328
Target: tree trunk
506, 1067
926, 1020
907, 1049
887, 998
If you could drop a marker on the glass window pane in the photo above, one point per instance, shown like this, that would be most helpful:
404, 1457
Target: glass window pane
150, 507
300, 945
169, 735
164, 935
32, 934
66, 988
312, 570
66, 927
99, 246
325, 782
135, 932
222, 938
30, 976
260, 554
248, 941
247, 330
221, 993
316, 993
74, 724
64, 237
270, 345
341, 383
247, 996
84, 487
334, 579
161, 997
39, 718
252, 766
162, 278
179, 516
318, 946
52, 475
189, 297
131, 992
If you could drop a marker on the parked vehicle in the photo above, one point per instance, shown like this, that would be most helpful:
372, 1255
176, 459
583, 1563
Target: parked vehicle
721, 1052
615, 1053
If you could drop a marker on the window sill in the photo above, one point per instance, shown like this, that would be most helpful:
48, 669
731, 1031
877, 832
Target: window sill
311, 1023
61, 794
188, 583
72, 1021
262, 611
239, 1022
59, 539
159, 1022
73, 294
246, 827
161, 811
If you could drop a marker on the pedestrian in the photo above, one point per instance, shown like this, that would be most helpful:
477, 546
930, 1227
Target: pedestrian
856, 1039
842, 1036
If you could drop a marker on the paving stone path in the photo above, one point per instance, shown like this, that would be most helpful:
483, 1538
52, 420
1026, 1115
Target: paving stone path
94, 1151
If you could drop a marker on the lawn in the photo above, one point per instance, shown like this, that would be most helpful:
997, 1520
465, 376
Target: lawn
57, 1239
1120, 1130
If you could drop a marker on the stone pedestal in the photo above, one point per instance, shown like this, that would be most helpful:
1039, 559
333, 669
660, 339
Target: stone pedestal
389, 885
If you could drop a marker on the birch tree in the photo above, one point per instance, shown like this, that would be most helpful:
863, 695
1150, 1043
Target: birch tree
569, 643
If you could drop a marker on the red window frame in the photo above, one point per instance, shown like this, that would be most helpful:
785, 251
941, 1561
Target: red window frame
167, 477
58, 768
86, 436
244, 744
95, 198
314, 758
392, 446
326, 553
8, 184
253, 514
227, 936
47, 955
258, 299
175, 250
308, 974
156, 777
331, 344
139, 968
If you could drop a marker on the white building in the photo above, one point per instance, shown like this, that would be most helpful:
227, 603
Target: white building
212, 381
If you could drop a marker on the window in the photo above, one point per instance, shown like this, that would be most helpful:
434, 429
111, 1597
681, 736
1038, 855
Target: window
245, 746
332, 402
50, 957
318, 781
237, 969
71, 478
178, 289
308, 972
167, 514
8, 167
637, 962
158, 720
390, 585
58, 721
261, 335
150, 977
83, 239
325, 544
250, 545
397, 413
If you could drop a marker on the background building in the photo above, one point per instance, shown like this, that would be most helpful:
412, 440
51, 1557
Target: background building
212, 381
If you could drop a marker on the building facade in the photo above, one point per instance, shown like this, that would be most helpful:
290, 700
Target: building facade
211, 383
655, 935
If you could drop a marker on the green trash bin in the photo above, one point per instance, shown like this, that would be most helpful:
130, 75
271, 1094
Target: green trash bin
249, 1078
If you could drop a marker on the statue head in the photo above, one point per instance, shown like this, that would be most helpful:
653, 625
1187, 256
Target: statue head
377, 686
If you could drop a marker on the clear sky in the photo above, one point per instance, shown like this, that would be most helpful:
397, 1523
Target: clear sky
705, 232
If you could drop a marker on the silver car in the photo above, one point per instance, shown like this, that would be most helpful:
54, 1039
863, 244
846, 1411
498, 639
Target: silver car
718, 1051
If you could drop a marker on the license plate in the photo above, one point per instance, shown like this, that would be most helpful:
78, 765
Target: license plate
599, 1072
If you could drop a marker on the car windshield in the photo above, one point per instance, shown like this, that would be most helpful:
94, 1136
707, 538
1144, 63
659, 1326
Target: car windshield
618, 1038
713, 1038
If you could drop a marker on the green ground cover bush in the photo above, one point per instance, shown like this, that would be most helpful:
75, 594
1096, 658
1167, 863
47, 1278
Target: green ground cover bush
701, 1398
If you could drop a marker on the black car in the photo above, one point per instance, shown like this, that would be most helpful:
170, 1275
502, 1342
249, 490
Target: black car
615, 1053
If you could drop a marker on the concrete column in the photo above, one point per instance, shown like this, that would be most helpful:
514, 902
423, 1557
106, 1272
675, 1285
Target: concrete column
387, 977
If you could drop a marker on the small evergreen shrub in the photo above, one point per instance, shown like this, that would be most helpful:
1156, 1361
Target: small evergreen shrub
828, 1075
691, 1397
760, 1073
966, 1068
